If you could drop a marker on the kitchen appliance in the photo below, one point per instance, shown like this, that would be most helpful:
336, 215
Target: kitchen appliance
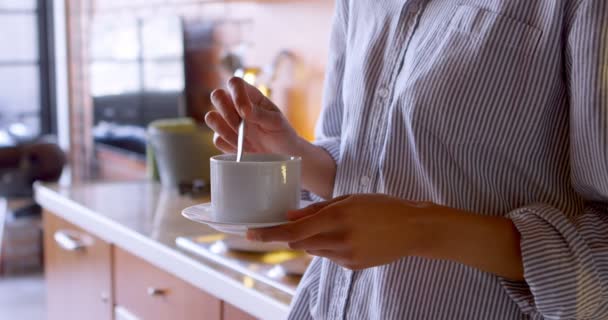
179, 153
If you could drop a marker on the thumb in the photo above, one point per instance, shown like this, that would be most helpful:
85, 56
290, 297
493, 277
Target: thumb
262, 111
312, 209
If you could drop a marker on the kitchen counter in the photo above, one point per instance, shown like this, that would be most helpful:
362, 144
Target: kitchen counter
145, 220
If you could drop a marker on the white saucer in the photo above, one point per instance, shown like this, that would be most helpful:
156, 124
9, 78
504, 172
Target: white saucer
201, 213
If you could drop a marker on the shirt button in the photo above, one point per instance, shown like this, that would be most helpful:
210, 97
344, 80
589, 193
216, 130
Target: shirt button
365, 181
383, 92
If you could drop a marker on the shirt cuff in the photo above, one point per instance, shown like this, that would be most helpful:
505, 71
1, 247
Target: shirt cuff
309, 196
558, 270
332, 146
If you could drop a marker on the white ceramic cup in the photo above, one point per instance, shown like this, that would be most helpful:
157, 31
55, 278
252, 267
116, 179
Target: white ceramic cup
261, 188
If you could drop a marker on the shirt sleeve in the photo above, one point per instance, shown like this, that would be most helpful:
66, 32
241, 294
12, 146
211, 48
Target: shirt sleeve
329, 127
566, 256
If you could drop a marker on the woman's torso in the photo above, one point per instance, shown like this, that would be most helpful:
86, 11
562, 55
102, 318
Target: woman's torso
462, 103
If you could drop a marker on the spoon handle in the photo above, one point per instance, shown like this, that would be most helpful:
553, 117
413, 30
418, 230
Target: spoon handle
239, 150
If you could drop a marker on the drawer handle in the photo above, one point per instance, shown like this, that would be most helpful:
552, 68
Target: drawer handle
105, 297
157, 292
71, 240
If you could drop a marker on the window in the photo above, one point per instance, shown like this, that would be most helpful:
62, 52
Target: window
136, 69
136, 55
25, 108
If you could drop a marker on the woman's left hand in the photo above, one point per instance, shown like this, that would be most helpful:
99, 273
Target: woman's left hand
363, 231
356, 232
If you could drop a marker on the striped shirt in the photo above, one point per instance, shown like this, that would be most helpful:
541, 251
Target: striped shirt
498, 107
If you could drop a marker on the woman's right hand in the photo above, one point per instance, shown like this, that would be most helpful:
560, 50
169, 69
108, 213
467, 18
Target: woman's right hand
266, 131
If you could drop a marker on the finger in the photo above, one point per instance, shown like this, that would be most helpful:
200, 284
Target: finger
294, 231
251, 138
313, 208
223, 103
258, 98
419, 204
324, 241
224, 146
215, 121
240, 98
218, 124
269, 119
254, 106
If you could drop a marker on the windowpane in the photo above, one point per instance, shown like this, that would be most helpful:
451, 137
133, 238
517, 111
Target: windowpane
162, 38
114, 39
166, 76
18, 4
114, 78
20, 44
20, 95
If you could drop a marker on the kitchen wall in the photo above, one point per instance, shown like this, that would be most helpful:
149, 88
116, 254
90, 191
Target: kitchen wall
268, 27
302, 27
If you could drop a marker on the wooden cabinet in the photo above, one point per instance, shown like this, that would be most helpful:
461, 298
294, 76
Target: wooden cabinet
150, 293
231, 312
88, 278
78, 272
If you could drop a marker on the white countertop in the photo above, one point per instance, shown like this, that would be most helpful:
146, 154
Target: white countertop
144, 219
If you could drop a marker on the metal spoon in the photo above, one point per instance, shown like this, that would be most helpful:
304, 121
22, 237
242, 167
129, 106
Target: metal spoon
239, 150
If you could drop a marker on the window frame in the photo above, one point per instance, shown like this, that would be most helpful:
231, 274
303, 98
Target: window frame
46, 76
48, 108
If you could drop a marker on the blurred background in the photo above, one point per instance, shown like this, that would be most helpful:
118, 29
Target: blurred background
81, 81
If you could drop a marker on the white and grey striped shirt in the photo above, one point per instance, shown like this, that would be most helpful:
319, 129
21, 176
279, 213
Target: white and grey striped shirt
498, 107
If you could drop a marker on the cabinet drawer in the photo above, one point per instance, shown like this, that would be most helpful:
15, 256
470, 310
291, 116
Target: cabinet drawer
231, 312
78, 272
150, 293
